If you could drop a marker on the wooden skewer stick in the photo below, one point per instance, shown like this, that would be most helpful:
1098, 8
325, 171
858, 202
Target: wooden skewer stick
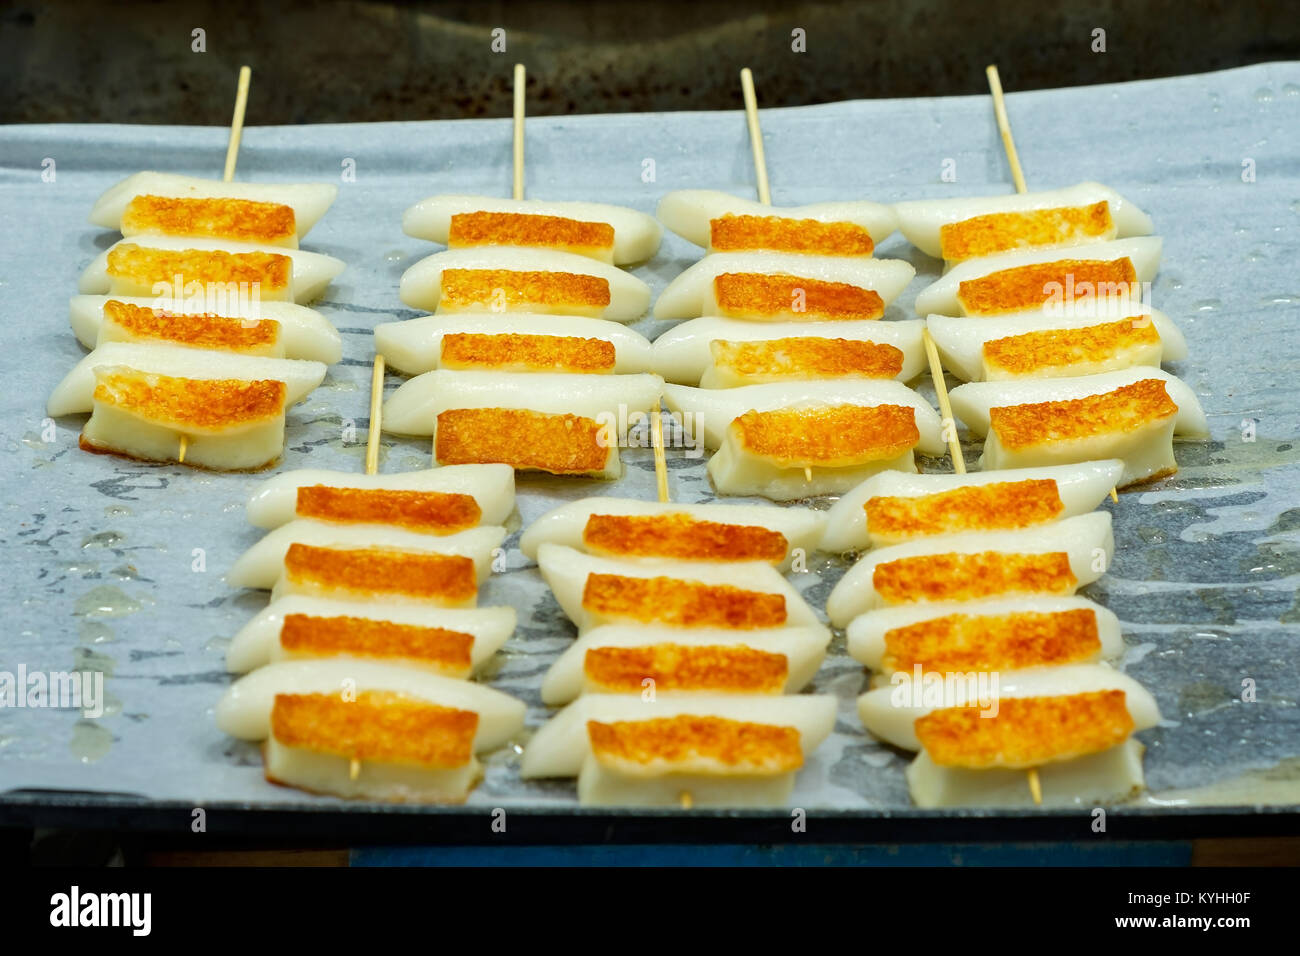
520, 78
945, 407
760, 161
661, 462
1013, 158
1035, 786
376, 411
232, 155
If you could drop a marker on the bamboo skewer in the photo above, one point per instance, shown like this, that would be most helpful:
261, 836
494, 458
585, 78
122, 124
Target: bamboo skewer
945, 407
760, 161
376, 411
520, 80
232, 156
1013, 158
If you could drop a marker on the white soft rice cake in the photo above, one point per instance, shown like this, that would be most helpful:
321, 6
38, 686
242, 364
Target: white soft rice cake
309, 201
636, 235
257, 643
804, 648
421, 285
262, 564
1081, 488
414, 346
566, 571
941, 295
920, 220
492, 486
691, 294
801, 528
306, 334
689, 212
1085, 540
961, 340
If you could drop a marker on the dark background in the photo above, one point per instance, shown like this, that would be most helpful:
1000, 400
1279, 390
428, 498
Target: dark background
351, 60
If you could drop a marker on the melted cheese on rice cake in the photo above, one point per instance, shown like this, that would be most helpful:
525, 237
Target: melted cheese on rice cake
1100, 274
75, 393
798, 357
492, 488
143, 265
742, 596
619, 658
363, 628
244, 220
303, 333
684, 354
893, 506
774, 286
363, 729
1053, 559
123, 322
1133, 415
793, 453
714, 409
959, 229
386, 575
665, 531
598, 230
504, 279
262, 564
415, 346
309, 201
991, 635
228, 424
830, 228
1040, 344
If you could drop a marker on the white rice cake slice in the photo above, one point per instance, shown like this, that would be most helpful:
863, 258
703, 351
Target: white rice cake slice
912, 506
776, 286
620, 658
458, 221
491, 486
670, 532
1055, 558
691, 212
309, 201
511, 279
922, 221
741, 596
283, 630
415, 346
304, 332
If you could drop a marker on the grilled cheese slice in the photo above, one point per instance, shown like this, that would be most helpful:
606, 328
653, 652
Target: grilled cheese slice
244, 220
388, 575
845, 228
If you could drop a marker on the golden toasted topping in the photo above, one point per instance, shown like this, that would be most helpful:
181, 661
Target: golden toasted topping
749, 294
527, 229
680, 603
965, 577
378, 726
195, 404
1126, 409
807, 357
1034, 286
527, 440
379, 571
1006, 231
437, 511
691, 744
448, 650
241, 219
526, 353
829, 436
143, 266
730, 668
506, 290
1035, 352
681, 536
1027, 731
994, 642
812, 236
998, 505
205, 331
